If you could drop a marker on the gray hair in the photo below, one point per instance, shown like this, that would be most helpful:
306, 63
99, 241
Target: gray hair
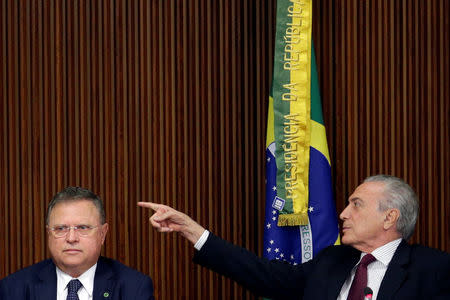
401, 196
73, 193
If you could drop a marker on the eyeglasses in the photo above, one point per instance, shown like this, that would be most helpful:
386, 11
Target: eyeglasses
60, 231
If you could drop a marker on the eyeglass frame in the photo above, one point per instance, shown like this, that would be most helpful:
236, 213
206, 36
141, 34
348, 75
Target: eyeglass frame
75, 229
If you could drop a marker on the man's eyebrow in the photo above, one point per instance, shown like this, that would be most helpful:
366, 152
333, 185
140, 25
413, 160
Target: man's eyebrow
354, 199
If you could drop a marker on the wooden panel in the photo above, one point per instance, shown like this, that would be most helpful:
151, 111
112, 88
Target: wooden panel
166, 101
389, 111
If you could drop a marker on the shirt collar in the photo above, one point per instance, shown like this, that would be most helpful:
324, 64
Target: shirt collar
384, 253
86, 279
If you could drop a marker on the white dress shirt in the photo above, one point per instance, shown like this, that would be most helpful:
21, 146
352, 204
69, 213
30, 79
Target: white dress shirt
201, 241
375, 270
86, 279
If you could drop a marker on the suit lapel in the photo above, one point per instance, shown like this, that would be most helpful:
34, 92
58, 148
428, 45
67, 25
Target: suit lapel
46, 285
104, 282
341, 272
396, 272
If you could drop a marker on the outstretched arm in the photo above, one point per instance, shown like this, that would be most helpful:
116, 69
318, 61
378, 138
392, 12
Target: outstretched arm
272, 279
167, 219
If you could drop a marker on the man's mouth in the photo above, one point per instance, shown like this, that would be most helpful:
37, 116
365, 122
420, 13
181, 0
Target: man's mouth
72, 251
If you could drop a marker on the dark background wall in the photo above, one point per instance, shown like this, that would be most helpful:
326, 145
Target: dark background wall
166, 101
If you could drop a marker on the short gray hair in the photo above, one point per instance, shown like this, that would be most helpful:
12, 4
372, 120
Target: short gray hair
73, 193
401, 196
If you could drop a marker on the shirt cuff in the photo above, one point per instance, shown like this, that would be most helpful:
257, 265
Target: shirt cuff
202, 240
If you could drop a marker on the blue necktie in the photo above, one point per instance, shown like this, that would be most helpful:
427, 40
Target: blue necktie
73, 286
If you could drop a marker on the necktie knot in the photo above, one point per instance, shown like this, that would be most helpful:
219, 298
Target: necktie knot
367, 260
73, 286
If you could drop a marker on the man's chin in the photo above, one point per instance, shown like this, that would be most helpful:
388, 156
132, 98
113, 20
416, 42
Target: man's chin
72, 260
71, 263
345, 240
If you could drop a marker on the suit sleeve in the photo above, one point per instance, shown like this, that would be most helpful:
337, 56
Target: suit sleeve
443, 280
145, 289
272, 279
3, 291
11, 289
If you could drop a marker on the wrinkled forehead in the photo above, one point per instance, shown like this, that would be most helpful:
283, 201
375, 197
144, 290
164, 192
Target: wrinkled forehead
372, 191
74, 211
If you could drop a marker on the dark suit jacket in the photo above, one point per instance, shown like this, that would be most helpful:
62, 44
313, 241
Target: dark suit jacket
415, 272
113, 280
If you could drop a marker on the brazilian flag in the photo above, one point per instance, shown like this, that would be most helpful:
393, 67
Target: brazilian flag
300, 212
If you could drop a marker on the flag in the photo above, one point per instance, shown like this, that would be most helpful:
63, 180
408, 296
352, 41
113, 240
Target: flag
296, 239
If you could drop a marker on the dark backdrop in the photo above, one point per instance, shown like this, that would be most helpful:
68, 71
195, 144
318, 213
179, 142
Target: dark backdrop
166, 101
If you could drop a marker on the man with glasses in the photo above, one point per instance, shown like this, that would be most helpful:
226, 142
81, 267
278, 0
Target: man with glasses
76, 228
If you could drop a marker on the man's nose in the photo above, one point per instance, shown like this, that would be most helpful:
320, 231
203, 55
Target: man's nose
72, 235
344, 214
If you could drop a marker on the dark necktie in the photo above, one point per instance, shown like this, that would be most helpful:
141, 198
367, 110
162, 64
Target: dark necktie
360, 280
73, 286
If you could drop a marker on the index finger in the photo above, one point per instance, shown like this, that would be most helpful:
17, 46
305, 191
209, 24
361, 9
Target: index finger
154, 206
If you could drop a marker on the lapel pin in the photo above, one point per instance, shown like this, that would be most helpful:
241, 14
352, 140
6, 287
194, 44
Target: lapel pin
105, 295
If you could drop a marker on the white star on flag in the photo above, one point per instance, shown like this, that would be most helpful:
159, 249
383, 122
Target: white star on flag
274, 188
271, 242
277, 250
268, 225
311, 209
268, 249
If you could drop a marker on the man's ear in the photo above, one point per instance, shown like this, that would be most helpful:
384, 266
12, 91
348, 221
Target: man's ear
104, 229
391, 218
